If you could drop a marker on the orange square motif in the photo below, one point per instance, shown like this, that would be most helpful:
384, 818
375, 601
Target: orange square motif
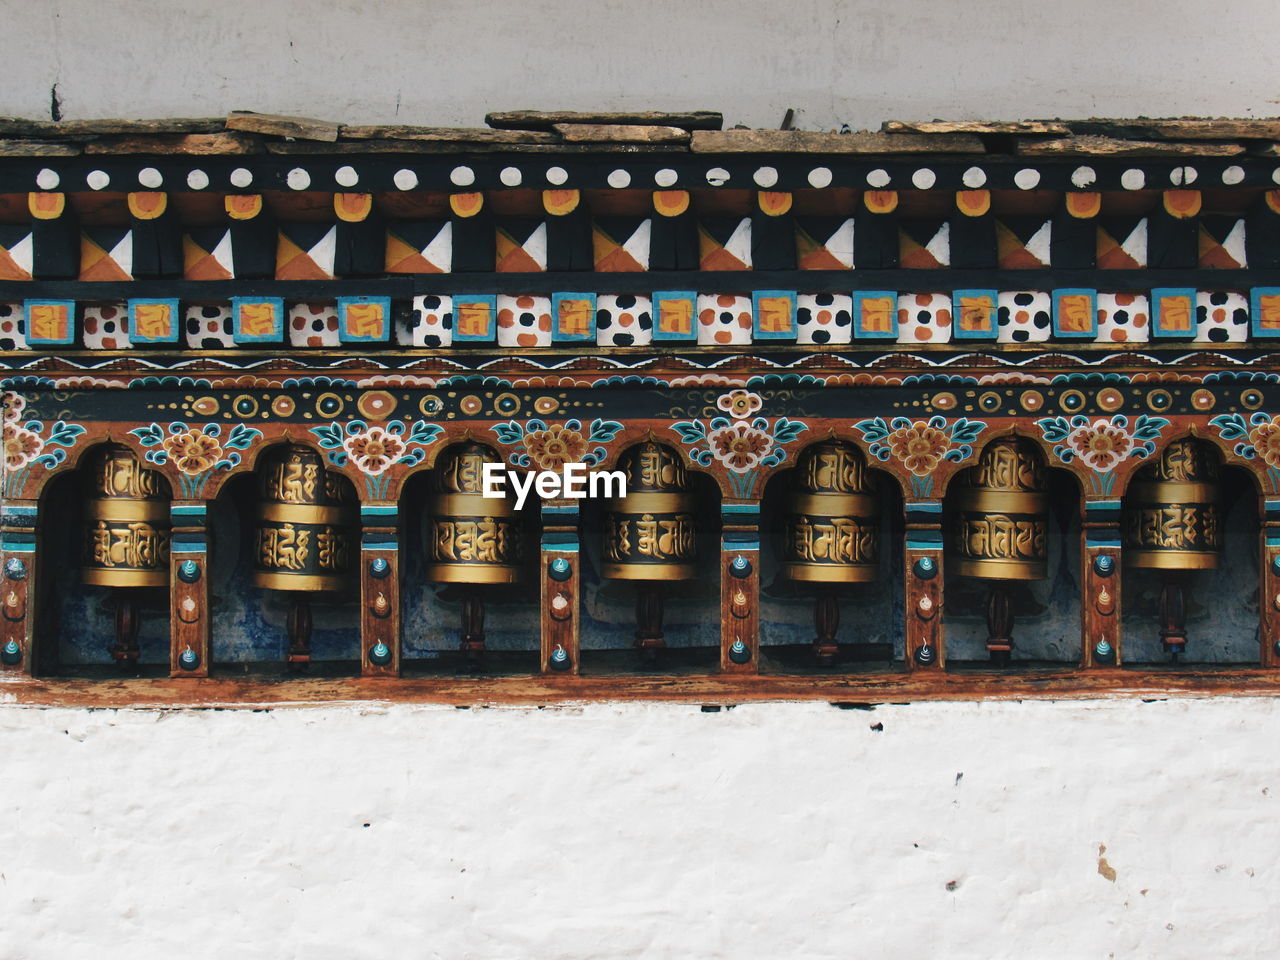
1269, 311
675, 316
50, 321
474, 318
153, 321
1175, 314
575, 318
775, 314
975, 314
257, 319
365, 320
1075, 313
877, 315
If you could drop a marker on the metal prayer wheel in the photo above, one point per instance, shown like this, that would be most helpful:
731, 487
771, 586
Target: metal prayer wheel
127, 528
471, 538
649, 532
832, 518
999, 522
1171, 517
305, 522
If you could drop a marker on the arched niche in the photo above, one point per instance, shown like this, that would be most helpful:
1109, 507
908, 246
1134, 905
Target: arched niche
870, 630
1045, 612
250, 624
690, 607
433, 611
82, 627
1221, 616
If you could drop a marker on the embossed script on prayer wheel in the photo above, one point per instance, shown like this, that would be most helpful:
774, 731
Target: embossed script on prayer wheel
127, 528
649, 533
1171, 515
306, 519
832, 518
471, 538
999, 528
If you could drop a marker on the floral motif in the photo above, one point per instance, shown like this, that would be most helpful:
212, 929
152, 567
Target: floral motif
550, 447
920, 445
192, 451
196, 451
740, 446
555, 446
21, 446
374, 450
1100, 445
1259, 438
740, 404
29, 444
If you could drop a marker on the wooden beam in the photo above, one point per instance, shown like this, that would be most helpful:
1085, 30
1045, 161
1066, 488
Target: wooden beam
481, 135
863, 141
37, 148
1015, 127
547, 119
1094, 146
298, 128
18, 127
194, 144
619, 133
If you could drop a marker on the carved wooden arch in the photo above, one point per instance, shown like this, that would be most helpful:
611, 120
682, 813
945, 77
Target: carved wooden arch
79, 456
252, 460
1225, 449
948, 470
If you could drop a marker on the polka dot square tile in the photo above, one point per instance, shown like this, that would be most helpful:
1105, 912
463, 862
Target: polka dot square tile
429, 322
824, 318
313, 324
524, 321
207, 326
1123, 318
105, 326
924, 318
724, 319
623, 320
13, 327
1024, 316
1222, 317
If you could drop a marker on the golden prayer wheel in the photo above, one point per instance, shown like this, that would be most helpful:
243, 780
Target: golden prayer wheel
471, 538
1171, 519
832, 518
999, 522
649, 532
127, 532
305, 522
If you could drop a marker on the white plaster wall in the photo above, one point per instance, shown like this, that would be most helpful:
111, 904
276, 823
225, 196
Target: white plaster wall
777, 830
449, 61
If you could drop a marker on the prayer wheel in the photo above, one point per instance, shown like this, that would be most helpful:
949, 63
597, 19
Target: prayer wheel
649, 531
832, 518
1171, 524
1171, 514
127, 530
306, 518
471, 538
999, 523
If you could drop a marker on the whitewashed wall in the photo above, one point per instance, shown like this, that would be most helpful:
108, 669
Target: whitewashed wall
836, 61
777, 830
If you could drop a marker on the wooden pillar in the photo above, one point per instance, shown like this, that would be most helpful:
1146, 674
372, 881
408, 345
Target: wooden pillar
740, 588
1269, 577
190, 613
379, 589
559, 564
924, 638
1100, 584
18, 537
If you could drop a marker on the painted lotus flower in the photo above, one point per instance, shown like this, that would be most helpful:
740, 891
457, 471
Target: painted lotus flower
1101, 444
740, 404
1265, 438
14, 404
21, 446
192, 451
374, 449
919, 446
552, 448
740, 446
